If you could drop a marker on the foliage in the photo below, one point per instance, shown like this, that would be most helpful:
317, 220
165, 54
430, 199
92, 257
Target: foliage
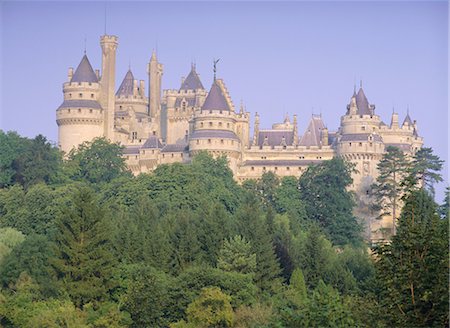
96, 161
212, 308
389, 189
424, 170
413, 269
236, 255
327, 201
83, 259
9, 238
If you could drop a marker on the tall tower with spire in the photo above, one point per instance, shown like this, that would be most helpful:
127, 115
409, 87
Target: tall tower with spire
155, 72
109, 45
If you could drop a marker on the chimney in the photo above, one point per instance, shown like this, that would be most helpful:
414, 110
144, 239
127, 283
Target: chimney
70, 74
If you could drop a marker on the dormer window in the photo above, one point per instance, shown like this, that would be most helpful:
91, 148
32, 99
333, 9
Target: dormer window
92, 95
80, 95
210, 124
134, 135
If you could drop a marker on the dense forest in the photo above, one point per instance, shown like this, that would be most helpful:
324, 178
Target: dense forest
83, 243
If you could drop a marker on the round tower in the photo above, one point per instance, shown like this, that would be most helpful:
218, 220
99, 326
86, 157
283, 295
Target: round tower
214, 127
80, 116
359, 140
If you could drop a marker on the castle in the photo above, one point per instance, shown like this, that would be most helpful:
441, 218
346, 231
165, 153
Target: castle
167, 126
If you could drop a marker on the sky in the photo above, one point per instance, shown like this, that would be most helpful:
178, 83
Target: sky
277, 58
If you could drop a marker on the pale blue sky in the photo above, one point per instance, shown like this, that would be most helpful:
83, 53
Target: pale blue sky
278, 57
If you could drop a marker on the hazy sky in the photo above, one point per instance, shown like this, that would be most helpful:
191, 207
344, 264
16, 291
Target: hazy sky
278, 57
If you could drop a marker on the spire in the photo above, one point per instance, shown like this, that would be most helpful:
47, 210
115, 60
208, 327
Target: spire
215, 99
362, 103
84, 72
192, 81
215, 67
153, 58
407, 118
126, 87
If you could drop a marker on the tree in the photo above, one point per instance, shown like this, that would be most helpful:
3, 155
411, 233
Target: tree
11, 147
323, 189
236, 255
147, 297
96, 161
211, 309
83, 256
253, 226
413, 269
32, 257
445, 207
424, 170
9, 238
388, 190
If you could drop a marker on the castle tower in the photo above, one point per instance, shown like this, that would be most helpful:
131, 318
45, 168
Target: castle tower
214, 127
109, 46
155, 72
80, 117
180, 106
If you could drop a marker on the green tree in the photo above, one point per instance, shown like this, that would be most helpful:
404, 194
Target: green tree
96, 161
253, 226
11, 147
445, 207
424, 170
9, 238
327, 309
147, 297
83, 254
236, 255
389, 189
413, 269
30, 257
323, 188
211, 309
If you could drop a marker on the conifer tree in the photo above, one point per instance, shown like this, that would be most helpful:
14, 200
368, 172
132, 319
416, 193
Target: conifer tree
413, 269
388, 190
236, 255
84, 262
424, 170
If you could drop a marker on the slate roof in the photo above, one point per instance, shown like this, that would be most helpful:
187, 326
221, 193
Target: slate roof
407, 120
360, 137
401, 146
362, 103
282, 162
80, 103
152, 142
131, 150
313, 133
126, 87
205, 134
274, 137
84, 72
215, 99
174, 148
192, 81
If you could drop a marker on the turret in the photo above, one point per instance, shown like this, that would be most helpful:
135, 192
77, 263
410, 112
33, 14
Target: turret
109, 45
256, 130
394, 120
295, 130
80, 116
155, 71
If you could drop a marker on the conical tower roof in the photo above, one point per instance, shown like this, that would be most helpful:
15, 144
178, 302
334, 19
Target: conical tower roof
215, 99
362, 103
192, 82
126, 87
84, 72
407, 120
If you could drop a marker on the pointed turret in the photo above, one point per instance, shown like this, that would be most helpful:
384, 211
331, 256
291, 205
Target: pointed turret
362, 103
192, 81
215, 99
126, 87
407, 120
84, 72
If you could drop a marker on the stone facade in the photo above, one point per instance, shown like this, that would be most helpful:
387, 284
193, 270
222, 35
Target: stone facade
168, 126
